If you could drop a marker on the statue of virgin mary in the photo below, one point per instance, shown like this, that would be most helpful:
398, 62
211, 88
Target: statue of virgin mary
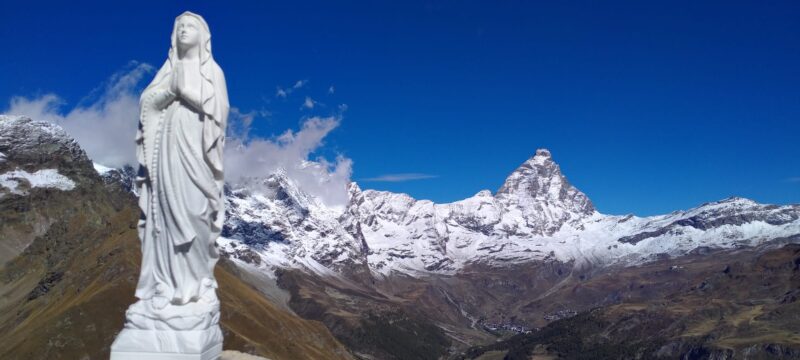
183, 116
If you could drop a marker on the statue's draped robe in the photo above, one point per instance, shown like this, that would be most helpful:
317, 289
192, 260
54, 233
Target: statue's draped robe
180, 182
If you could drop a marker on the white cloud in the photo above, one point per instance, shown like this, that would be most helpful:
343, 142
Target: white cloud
299, 84
331, 90
106, 127
259, 157
401, 177
239, 123
309, 103
285, 92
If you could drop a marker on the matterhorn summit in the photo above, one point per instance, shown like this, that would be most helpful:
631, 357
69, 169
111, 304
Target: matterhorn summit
538, 193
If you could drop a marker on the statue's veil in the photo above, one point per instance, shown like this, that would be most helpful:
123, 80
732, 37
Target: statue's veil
207, 88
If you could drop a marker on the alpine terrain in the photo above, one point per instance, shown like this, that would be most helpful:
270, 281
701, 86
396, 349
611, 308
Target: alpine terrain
531, 270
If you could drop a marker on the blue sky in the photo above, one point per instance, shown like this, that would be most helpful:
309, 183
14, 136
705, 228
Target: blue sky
648, 106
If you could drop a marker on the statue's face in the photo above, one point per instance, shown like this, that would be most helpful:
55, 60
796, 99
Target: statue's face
188, 31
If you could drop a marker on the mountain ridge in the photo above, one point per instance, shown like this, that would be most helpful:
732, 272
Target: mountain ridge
530, 220
536, 215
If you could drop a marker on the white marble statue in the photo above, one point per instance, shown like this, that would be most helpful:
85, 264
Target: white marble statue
180, 141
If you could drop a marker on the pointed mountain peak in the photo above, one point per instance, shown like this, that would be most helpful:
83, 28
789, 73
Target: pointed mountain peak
277, 186
542, 153
353, 188
26, 137
541, 157
538, 182
354, 194
280, 174
540, 167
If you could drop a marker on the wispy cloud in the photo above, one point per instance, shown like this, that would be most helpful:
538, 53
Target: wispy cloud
309, 103
282, 92
401, 177
331, 90
104, 122
795, 179
299, 84
247, 158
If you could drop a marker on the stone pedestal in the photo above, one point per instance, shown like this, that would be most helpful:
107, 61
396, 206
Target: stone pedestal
136, 344
172, 332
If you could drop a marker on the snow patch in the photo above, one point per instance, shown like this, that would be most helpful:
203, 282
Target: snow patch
45, 178
101, 169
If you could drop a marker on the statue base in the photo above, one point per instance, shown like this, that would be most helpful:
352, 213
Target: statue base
135, 344
171, 332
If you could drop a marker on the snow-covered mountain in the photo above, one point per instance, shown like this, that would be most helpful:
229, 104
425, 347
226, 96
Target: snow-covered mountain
29, 154
285, 226
536, 215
